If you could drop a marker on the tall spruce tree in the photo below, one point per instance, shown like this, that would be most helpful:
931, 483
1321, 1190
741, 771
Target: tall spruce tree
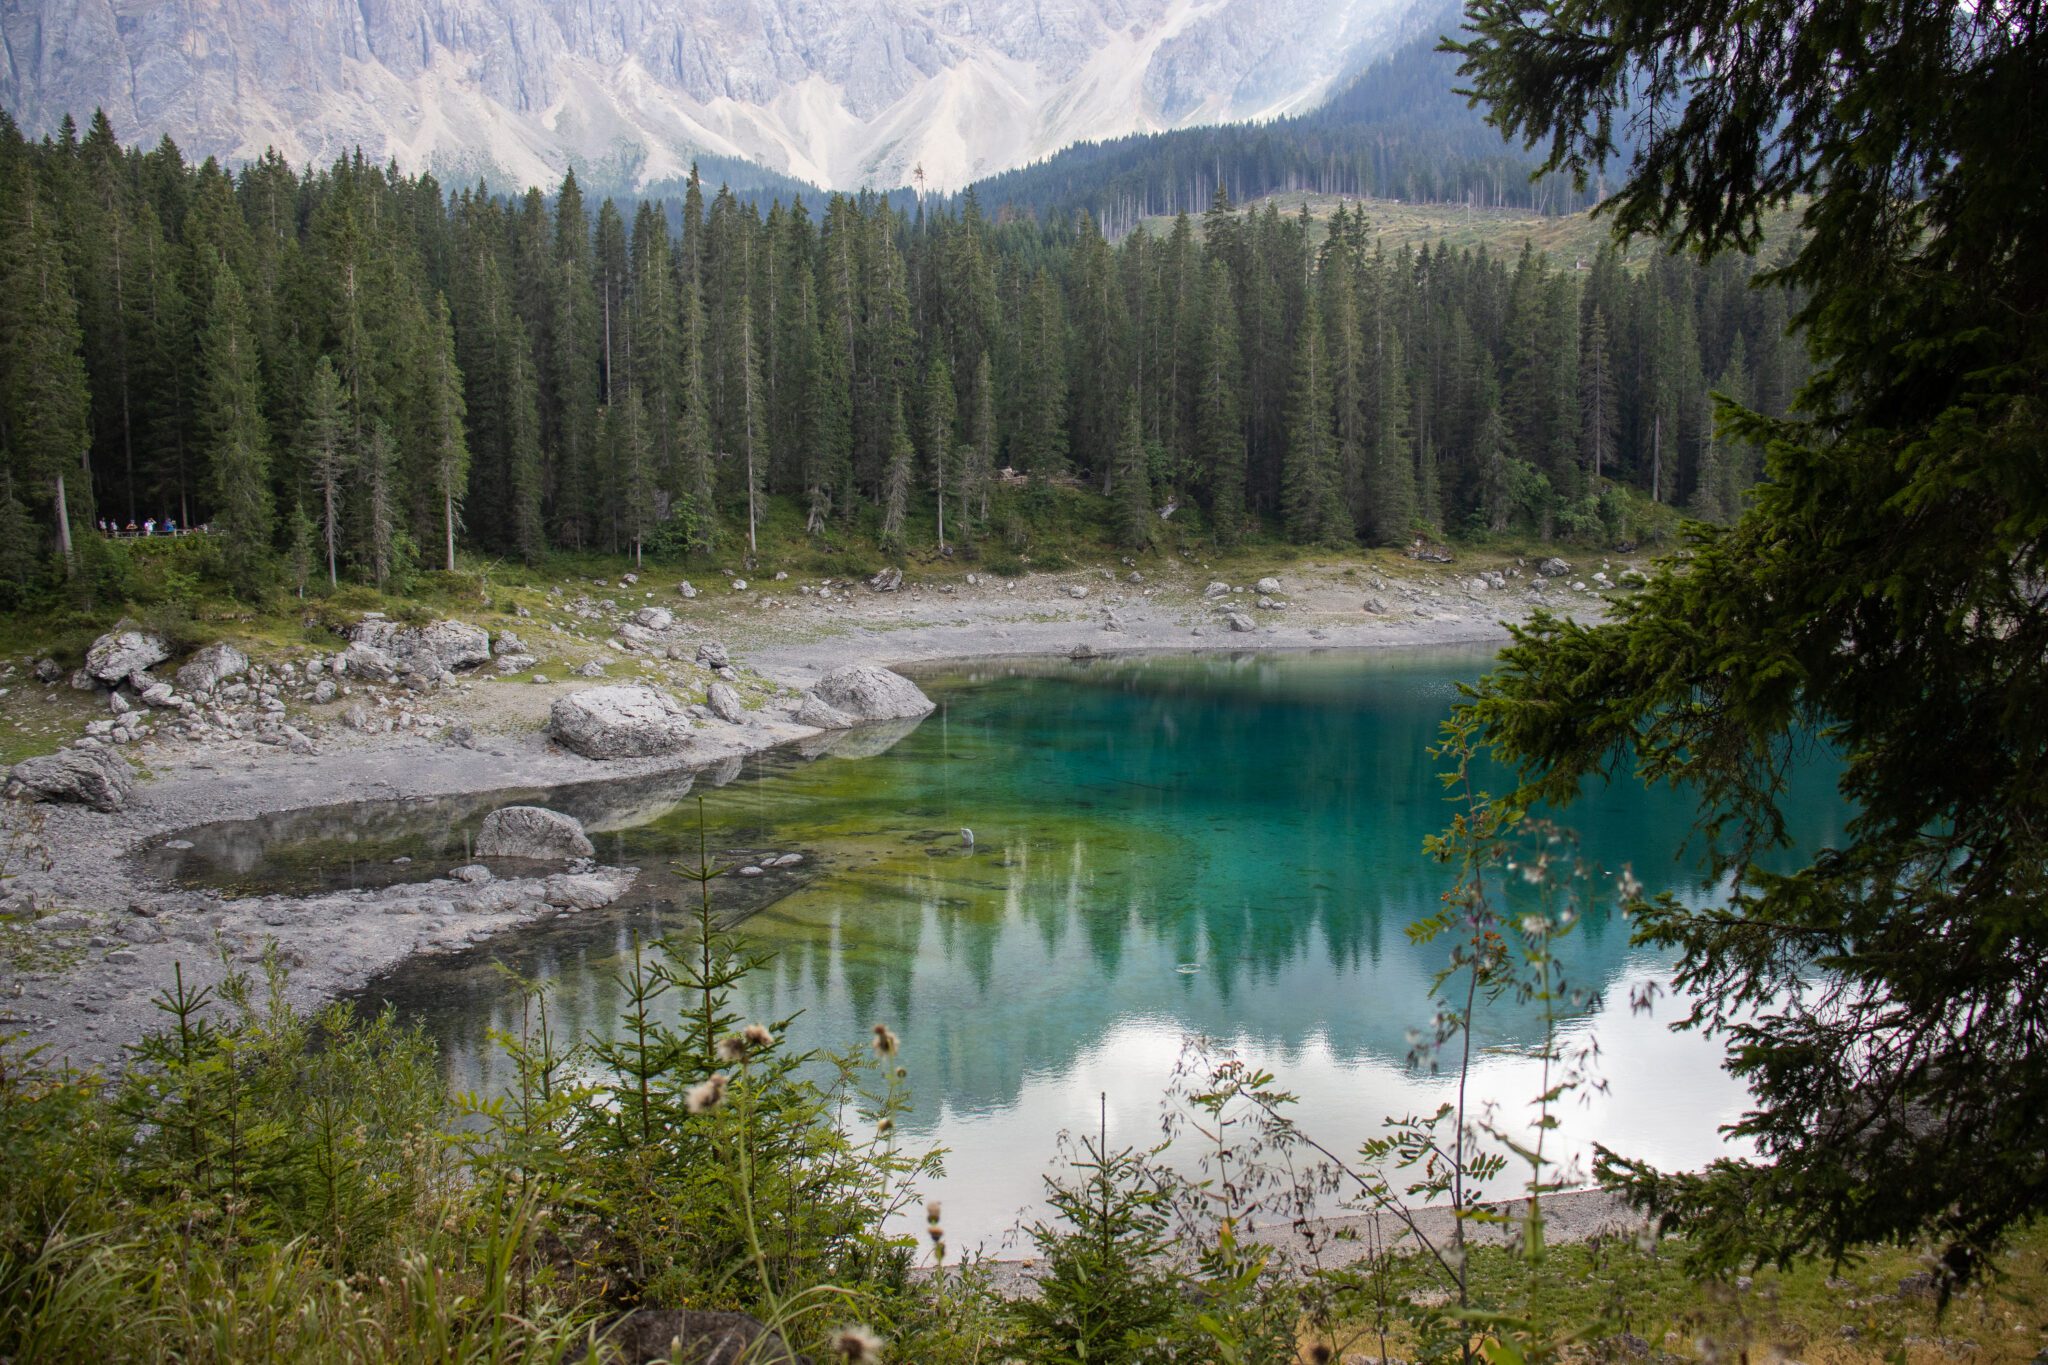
43, 395
1884, 1002
237, 438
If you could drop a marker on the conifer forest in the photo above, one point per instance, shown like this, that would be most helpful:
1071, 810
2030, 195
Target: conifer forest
345, 371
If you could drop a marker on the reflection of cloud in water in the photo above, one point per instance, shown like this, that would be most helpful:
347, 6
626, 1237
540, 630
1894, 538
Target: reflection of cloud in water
1667, 1097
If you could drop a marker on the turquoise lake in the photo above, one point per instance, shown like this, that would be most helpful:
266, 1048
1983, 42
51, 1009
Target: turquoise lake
1225, 846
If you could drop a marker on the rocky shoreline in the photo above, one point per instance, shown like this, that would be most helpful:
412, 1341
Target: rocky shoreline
91, 938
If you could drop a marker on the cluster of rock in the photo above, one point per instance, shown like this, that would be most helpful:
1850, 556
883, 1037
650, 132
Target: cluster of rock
218, 693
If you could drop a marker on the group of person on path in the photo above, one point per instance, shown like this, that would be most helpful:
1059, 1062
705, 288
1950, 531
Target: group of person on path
150, 527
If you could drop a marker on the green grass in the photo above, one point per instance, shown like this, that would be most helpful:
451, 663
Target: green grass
1878, 1308
1567, 238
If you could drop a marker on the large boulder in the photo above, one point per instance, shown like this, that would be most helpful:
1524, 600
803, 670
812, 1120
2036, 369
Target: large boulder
120, 652
532, 832
212, 666
724, 701
691, 1336
868, 692
431, 650
627, 721
94, 777
369, 663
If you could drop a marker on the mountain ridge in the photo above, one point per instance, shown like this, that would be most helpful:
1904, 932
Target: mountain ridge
630, 91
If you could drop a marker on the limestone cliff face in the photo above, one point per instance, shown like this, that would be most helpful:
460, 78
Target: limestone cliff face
842, 92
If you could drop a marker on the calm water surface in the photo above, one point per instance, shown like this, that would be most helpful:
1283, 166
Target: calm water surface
1217, 846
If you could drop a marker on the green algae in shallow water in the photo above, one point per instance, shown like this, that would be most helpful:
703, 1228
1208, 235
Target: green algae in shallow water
1257, 819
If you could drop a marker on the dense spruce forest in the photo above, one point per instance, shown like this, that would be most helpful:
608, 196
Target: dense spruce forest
347, 371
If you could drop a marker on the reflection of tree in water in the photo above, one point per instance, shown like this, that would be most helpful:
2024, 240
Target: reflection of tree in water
1257, 821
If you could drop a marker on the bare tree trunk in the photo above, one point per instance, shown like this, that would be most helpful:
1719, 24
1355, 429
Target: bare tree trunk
63, 524
448, 520
1657, 458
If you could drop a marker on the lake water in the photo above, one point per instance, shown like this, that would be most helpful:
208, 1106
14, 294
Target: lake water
1224, 846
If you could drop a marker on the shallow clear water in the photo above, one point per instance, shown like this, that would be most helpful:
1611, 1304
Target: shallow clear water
1223, 846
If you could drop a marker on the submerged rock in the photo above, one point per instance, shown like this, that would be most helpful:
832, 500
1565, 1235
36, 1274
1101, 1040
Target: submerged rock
627, 721
93, 777
119, 653
869, 692
532, 832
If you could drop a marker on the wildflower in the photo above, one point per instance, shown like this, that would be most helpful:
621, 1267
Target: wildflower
931, 1211
885, 1127
732, 1049
885, 1041
857, 1344
707, 1095
757, 1037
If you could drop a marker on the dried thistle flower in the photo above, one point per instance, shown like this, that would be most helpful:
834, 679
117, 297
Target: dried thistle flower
706, 1095
931, 1211
757, 1036
732, 1049
885, 1041
886, 1127
857, 1344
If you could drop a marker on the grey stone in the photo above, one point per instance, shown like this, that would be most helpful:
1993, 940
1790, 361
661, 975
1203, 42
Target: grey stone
822, 715
1553, 568
82, 681
592, 669
509, 643
93, 777
49, 670
1216, 590
118, 653
587, 890
431, 650
654, 618
325, 692
868, 692
1239, 622
1077, 592
713, 655
212, 666
368, 662
532, 832
686, 589
160, 696
1269, 586
688, 1336
473, 874
888, 580
724, 702
627, 721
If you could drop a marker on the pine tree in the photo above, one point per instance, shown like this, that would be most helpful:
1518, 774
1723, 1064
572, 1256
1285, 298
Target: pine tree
938, 434
978, 461
237, 437
444, 443
632, 456
1133, 479
1311, 495
43, 396
896, 480
324, 454
1598, 423
1218, 428
1390, 476
379, 548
